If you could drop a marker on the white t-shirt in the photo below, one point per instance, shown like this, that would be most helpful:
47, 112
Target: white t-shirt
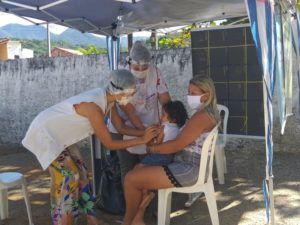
171, 131
59, 126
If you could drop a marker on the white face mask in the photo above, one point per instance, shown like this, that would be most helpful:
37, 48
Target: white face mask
140, 74
194, 102
124, 100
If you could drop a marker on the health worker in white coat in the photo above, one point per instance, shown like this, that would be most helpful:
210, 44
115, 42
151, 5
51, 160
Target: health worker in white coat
145, 106
53, 134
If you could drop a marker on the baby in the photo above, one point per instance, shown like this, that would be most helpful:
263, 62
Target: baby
174, 116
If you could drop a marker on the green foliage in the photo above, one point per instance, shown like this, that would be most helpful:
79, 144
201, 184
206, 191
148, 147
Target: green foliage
183, 38
39, 47
177, 40
92, 50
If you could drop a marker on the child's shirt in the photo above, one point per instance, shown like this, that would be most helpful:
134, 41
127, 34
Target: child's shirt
171, 131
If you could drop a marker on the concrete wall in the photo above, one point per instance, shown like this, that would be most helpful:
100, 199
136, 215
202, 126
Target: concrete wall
28, 86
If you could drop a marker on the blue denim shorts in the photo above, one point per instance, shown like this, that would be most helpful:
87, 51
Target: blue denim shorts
158, 159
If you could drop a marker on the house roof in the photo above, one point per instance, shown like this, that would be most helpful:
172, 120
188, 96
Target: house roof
75, 52
4, 40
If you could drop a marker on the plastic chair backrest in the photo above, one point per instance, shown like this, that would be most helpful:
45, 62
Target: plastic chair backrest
223, 108
207, 156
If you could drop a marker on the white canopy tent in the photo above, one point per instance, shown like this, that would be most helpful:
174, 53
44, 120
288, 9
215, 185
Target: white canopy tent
102, 16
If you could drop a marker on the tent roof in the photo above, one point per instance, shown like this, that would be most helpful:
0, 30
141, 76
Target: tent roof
97, 16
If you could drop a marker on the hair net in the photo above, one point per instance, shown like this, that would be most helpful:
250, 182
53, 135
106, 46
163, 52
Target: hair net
139, 54
121, 81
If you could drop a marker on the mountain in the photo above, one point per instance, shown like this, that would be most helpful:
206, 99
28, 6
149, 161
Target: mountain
78, 38
24, 32
72, 36
40, 33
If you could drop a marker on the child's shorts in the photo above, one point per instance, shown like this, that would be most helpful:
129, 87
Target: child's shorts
157, 159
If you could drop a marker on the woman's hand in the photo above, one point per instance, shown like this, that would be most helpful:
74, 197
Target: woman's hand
149, 149
150, 133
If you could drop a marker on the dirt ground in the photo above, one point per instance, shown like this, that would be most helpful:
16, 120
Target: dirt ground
240, 200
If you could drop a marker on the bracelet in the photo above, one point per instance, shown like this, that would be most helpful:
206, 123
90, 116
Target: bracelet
148, 150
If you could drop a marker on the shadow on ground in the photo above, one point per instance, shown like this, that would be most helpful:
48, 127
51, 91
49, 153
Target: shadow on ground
240, 200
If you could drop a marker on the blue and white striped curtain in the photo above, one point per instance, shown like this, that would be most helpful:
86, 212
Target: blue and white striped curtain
272, 34
297, 40
284, 25
263, 26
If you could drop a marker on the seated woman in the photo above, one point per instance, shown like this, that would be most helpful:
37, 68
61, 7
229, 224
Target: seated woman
53, 134
183, 171
174, 116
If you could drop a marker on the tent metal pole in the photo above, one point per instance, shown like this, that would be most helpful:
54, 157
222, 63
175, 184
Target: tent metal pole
129, 42
48, 40
269, 178
115, 54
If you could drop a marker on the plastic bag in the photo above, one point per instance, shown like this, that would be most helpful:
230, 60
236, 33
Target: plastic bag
110, 197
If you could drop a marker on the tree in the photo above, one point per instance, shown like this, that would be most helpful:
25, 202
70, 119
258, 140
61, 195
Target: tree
92, 50
183, 38
177, 40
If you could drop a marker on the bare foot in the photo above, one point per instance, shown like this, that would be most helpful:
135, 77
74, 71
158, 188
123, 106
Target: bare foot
147, 198
92, 220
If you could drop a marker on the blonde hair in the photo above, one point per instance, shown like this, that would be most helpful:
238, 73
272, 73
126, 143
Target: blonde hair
206, 85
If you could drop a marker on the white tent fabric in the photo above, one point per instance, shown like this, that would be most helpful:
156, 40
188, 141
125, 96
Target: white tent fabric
101, 16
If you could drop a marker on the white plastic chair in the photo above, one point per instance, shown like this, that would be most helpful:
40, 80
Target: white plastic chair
220, 145
219, 155
9, 180
204, 184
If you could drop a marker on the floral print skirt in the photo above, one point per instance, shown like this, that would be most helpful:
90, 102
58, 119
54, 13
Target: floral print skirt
70, 188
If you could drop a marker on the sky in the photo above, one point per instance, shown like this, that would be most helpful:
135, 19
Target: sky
6, 18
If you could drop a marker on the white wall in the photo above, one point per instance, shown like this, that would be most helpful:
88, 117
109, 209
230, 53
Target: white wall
14, 48
26, 53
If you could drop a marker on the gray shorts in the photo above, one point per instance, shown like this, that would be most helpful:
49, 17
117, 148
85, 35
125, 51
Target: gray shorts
184, 170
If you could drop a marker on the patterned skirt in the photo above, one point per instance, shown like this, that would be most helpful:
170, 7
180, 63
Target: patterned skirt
184, 170
70, 188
